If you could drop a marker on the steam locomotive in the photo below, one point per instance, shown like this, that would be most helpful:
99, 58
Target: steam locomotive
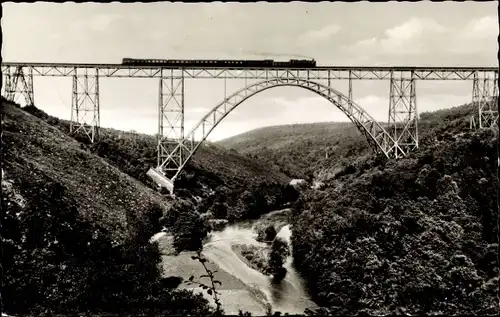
268, 63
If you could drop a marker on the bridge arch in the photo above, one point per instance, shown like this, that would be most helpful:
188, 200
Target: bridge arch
380, 140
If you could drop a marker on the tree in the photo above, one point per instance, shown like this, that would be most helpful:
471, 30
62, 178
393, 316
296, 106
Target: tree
277, 257
267, 234
189, 231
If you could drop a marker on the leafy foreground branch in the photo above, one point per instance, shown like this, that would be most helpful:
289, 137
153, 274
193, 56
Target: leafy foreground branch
211, 290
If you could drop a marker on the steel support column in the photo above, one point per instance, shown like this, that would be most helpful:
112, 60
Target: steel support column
350, 91
403, 117
171, 122
329, 84
19, 82
484, 99
85, 116
7, 83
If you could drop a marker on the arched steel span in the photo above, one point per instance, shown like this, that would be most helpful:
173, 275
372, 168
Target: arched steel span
376, 135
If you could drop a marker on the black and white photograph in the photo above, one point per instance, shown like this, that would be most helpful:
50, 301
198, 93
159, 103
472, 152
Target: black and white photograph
250, 158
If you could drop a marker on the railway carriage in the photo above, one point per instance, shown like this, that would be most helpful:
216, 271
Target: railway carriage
268, 63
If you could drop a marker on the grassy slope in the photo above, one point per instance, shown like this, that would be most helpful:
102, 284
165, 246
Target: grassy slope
212, 165
75, 228
300, 149
104, 194
135, 153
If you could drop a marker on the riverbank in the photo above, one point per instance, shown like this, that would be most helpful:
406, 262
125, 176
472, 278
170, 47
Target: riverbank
253, 256
243, 287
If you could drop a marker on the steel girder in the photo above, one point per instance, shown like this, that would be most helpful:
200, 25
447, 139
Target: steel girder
376, 135
85, 112
323, 73
484, 101
403, 116
17, 82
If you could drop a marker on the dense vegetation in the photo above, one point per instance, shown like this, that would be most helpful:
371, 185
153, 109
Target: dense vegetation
417, 235
75, 230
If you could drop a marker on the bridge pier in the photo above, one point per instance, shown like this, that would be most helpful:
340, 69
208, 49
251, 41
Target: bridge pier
403, 116
171, 149
484, 101
85, 109
18, 82
350, 91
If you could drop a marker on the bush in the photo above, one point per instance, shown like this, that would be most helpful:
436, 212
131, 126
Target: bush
266, 234
189, 231
277, 257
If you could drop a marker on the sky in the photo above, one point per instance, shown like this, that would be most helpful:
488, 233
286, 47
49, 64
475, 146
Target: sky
333, 33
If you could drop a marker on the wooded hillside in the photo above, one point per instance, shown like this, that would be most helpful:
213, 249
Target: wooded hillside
418, 235
76, 230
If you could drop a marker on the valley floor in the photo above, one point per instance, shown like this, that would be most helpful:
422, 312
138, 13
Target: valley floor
243, 287
234, 294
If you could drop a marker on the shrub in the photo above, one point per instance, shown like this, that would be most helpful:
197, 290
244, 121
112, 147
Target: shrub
266, 234
277, 257
189, 231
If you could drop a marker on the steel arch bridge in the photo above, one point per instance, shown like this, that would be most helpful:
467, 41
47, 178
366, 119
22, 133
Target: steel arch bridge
394, 139
376, 135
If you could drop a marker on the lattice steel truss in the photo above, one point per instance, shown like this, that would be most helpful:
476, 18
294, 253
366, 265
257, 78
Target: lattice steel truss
85, 110
324, 72
19, 81
171, 120
484, 101
403, 118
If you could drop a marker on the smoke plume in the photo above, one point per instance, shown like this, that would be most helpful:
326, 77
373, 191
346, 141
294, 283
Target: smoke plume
269, 54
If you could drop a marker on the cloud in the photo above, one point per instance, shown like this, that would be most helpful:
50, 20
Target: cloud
477, 36
412, 37
415, 27
424, 37
485, 27
320, 34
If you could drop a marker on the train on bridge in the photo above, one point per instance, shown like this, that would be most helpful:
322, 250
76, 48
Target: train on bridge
221, 63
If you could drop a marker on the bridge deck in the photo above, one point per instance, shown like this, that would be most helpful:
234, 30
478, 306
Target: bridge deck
344, 68
320, 72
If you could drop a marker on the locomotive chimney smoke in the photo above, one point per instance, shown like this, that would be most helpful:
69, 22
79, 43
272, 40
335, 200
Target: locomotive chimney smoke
268, 54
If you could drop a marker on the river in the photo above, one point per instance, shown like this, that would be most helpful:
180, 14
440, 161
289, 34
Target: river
244, 288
